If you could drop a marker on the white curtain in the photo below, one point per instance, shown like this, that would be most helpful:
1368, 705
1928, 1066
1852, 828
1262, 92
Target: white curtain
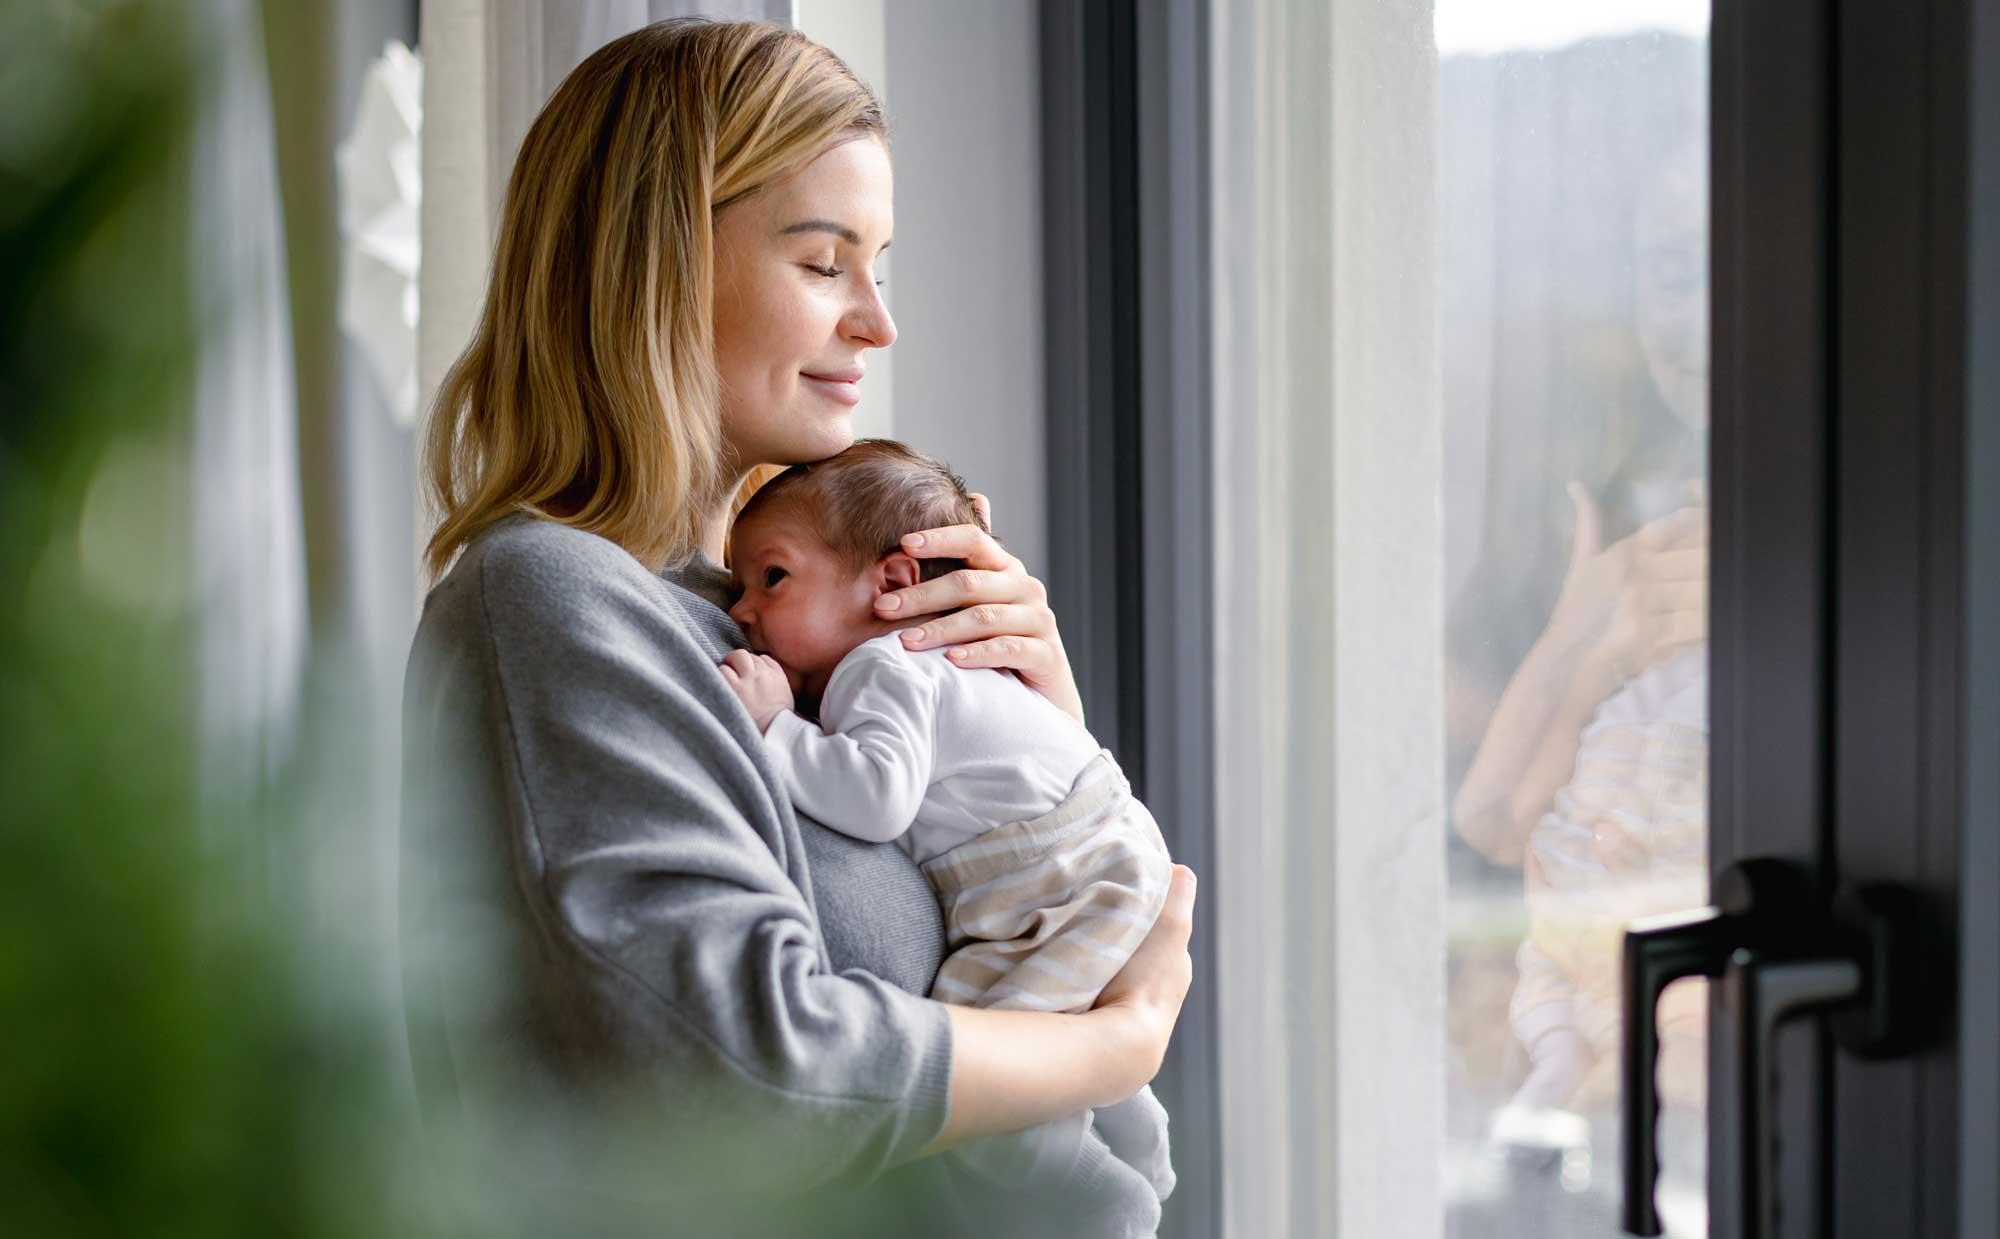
489, 65
1329, 766
249, 537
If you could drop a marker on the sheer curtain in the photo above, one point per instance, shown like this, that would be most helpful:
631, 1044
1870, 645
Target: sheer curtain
249, 531
1329, 584
489, 65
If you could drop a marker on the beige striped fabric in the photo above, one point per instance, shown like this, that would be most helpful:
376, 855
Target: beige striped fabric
1040, 914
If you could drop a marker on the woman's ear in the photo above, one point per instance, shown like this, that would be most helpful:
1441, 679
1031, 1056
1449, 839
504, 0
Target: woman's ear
897, 570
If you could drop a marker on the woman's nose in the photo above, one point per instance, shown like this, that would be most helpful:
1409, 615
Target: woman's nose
869, 322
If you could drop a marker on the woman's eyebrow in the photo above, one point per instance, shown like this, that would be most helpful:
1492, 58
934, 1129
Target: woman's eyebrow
826, 225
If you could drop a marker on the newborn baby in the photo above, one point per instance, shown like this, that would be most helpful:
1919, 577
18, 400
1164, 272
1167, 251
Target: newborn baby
1049, 871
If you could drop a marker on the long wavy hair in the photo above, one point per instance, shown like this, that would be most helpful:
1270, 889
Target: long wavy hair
589, 395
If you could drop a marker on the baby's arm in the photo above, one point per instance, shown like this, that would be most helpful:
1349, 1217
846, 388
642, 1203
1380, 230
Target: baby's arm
864, 769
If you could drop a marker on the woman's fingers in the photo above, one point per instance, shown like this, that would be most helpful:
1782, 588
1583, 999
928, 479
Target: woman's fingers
1588, 539
1682, 527
978, 623
1002, 613
967, 587
1178, 914
967, 542
1683, 563
1042, 666
1160, 970
1678, 630
1019, 637
1033, 658
1687, 596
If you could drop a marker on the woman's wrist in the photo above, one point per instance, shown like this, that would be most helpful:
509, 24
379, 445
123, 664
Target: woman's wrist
1130, 1041
1014, 1069
1599, 672
1572, 664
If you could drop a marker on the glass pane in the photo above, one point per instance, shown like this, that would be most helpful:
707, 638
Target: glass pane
1572, 178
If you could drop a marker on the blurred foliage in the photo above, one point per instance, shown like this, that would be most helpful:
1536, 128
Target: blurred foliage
198, 1042
159, 1078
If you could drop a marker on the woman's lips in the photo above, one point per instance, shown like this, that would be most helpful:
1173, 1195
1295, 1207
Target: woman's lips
841, 389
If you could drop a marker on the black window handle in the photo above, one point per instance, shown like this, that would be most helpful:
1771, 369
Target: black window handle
1761, 993
1781, 952
1756, 902
1658, 952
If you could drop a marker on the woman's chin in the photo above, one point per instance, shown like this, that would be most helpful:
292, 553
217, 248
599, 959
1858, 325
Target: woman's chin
831, 437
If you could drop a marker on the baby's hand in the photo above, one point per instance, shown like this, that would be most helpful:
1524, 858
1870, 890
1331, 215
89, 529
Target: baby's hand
760, 684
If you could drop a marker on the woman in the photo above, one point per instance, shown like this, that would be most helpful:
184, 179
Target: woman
683, 290
1591, 773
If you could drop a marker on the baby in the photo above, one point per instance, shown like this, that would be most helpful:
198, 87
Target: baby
1049, 871
1626, 837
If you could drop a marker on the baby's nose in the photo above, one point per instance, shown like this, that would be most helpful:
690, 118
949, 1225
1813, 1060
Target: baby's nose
743, 613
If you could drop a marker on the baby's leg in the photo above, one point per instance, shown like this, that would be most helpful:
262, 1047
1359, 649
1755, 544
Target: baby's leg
1136, 1130
1059, 1180
1544, 1020
1048, 935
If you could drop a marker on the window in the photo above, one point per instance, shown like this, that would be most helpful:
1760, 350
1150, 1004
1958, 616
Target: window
1461, 265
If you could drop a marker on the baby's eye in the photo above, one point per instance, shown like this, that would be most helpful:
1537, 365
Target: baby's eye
772, 576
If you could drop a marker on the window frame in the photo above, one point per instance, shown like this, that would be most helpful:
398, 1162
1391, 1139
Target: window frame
1126, 188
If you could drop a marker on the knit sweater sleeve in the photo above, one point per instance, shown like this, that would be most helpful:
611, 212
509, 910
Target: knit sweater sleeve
661, 878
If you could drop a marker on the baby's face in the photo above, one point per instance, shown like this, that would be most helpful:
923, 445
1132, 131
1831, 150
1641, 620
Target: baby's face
802, 604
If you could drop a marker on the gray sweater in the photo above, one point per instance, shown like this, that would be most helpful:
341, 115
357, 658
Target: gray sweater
620, 938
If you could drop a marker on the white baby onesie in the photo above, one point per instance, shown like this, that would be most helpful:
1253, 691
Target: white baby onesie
1048, 870
911, 748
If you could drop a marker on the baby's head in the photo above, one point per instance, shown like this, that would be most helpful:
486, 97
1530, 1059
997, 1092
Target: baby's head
815, 547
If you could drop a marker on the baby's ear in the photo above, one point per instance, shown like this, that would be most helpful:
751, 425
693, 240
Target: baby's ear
898, 570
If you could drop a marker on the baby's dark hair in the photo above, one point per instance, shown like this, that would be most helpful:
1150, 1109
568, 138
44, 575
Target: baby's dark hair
861, 502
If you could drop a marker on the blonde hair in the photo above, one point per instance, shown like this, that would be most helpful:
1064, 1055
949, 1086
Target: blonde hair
860, 503
588, 394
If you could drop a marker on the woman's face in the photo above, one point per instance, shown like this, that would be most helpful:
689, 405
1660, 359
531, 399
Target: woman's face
1670, 291
797, 306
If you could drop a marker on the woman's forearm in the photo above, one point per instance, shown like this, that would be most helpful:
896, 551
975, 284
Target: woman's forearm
1529, 748
1553, 763
1484, 809
1014, 1069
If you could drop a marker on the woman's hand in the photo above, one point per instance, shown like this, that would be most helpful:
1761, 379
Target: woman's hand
1622, 609
1154, 982
1014, 1069
998, 615
1625, 607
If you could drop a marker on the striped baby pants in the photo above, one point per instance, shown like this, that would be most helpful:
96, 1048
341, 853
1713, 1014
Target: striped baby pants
1039, 916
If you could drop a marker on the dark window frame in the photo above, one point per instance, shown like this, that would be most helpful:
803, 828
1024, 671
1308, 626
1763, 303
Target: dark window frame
1853, 265
1126, 198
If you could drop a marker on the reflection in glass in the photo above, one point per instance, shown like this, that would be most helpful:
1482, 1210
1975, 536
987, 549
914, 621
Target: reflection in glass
1573, 184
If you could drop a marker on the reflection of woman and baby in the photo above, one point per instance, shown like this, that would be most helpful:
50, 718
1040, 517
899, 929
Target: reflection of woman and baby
684, 290
1591, 773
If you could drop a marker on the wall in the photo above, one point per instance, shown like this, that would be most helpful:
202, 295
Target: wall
965, 280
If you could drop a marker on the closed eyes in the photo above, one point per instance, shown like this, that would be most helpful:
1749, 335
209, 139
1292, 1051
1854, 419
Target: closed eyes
833, 273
